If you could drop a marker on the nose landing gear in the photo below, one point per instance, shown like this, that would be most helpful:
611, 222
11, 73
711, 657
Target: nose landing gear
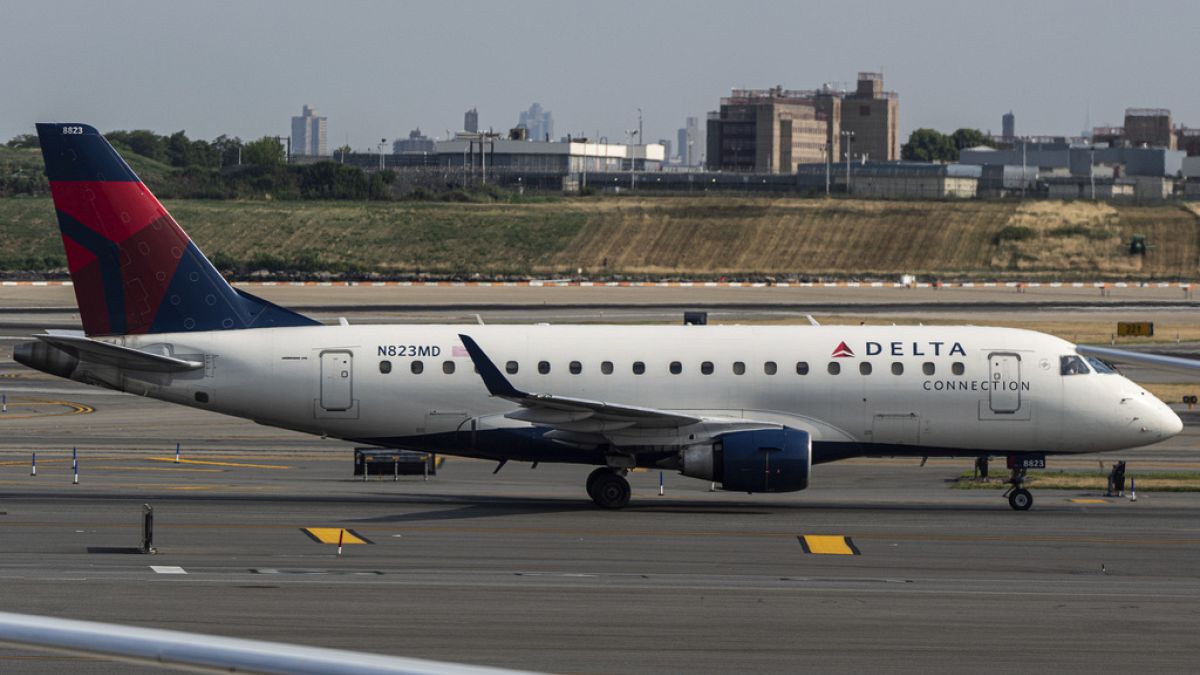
1018, 497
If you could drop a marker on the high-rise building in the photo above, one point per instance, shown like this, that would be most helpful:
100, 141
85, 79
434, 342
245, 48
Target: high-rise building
1008, 126
416, 142
689, 142
471, 121
309, 133
538, 122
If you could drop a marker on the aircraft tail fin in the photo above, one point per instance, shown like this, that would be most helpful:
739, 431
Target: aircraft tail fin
134, 270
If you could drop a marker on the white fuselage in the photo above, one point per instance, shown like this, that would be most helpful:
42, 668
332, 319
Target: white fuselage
898, 389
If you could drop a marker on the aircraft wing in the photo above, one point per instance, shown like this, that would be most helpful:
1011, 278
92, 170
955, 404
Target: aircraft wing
567, 412
1157, 361
206, 653
85, 348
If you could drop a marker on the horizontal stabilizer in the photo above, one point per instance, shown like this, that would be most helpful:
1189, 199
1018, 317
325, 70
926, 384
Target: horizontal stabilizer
95, 351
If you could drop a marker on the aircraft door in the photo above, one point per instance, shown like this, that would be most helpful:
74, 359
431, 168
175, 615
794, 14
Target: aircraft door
337, 380
1004, 393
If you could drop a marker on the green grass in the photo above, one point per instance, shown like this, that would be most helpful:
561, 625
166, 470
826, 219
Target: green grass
1149, 481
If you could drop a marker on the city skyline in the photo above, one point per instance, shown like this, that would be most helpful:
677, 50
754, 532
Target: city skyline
1052, 68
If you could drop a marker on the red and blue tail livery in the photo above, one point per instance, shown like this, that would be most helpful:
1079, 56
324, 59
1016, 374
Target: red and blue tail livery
135, 271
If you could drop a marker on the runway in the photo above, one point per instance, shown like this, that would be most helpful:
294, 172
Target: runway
519, 570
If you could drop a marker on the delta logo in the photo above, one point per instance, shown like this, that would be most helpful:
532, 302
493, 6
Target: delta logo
843, 351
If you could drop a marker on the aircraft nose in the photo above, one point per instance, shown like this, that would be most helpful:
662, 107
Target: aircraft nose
1169, 423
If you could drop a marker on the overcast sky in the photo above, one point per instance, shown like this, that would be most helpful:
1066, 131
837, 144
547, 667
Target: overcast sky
379, 69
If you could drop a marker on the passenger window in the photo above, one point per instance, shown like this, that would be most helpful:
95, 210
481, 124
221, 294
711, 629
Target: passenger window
1100, 366
928, 368
606, 367
448, 367
802, 367
897, 368
958, 368
770, 368
418, 367
575, 367
511, 367
1073, 365
739, 368
385, 367
835, 368
706, 368
544, 367
864, 368
675, 367
638, 367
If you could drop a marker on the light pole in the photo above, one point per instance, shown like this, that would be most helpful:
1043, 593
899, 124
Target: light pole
1092, 171
828, 165
847, 136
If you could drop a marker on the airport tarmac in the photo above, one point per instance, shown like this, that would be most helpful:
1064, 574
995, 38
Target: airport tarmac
519, 570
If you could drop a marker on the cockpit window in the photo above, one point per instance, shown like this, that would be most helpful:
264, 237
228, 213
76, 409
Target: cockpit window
1100, 366
1073, 365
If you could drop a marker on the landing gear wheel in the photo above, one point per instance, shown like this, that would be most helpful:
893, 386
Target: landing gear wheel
591, 479
1020, 499
610, 490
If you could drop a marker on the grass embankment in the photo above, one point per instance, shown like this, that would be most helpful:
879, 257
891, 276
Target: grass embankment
1160, 481
696, 237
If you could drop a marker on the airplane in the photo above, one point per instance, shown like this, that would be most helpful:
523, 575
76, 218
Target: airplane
752, 408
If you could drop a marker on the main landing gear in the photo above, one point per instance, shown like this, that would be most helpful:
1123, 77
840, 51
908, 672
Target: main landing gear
1018, 497
608, 488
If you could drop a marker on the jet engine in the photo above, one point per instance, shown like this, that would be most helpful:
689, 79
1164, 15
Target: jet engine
46, 358
765, 460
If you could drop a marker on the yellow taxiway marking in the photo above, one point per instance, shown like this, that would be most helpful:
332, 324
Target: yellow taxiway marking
331, 535
1082, 500
72, 409
205, 463
823, 544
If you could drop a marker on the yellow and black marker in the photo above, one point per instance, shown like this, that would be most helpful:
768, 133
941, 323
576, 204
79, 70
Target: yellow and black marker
335, 535
826, 544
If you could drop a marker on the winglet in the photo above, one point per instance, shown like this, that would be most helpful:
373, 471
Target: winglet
495, 381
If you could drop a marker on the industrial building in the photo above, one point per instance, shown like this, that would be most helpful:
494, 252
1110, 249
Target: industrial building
1063, 158
560, 158
894, 180
1150, 127
776, 130
309, 134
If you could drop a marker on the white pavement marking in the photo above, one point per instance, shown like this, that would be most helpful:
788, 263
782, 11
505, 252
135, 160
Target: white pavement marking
168, 569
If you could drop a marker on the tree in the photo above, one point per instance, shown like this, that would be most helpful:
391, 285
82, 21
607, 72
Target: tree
969, 138
23, 141
929, 145
179, 150
226, 150
144, 142
266, 151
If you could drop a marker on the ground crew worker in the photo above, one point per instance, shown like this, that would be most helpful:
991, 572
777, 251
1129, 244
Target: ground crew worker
1116, 479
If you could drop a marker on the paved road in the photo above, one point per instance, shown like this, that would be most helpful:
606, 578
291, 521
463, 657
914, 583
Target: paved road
519, 570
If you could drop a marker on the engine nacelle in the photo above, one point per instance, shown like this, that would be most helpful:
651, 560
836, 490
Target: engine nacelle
767, 460
46, 358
